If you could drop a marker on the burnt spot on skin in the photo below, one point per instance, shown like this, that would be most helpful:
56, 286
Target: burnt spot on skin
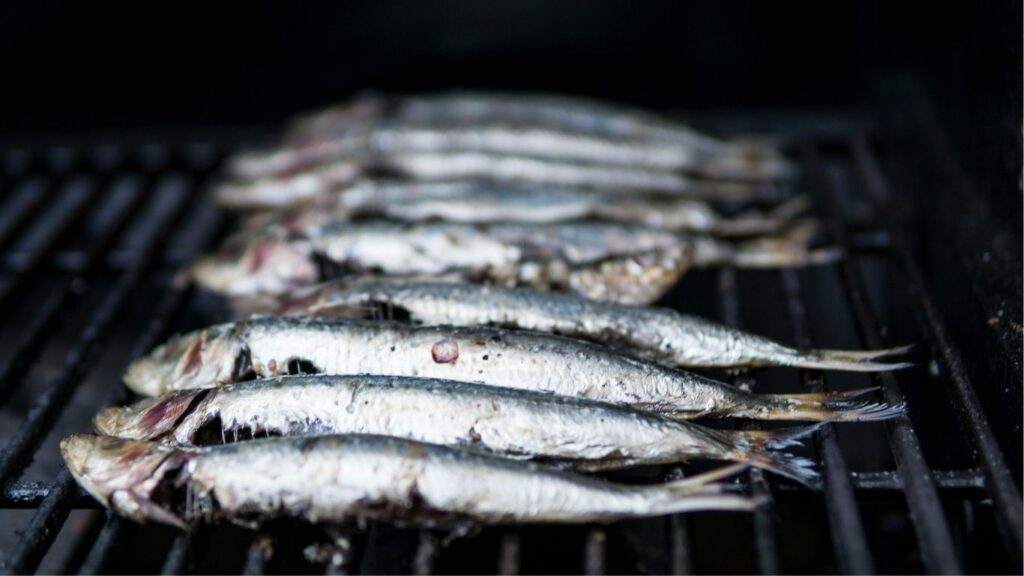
242, 369
445, 351
302, 366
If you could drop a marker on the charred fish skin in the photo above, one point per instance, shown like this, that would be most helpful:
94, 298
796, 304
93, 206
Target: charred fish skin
267, 347
513, 423
659, 334
337, 479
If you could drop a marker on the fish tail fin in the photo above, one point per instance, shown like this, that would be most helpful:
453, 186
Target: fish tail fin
705, 482
702, 492
765, 352
786, 249
850, 360
830, 406
763, 444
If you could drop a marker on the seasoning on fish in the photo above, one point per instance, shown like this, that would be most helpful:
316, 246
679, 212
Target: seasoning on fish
323, 180
513, 423
340, 479
611, 261
268, 346
480, 201
659, 334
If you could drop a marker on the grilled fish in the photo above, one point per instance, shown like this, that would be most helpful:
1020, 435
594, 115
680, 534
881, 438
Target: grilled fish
340, 479
322, 180
513, 423
599, 260
659, 334
737, 159
488, 137
489, 202
266, 347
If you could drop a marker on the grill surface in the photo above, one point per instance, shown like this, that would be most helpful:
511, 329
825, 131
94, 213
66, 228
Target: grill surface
91, 238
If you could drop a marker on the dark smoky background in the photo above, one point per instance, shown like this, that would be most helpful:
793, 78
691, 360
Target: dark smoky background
74, 66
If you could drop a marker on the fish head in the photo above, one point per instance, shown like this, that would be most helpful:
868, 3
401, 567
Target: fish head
125, 474
258, 266
147, 419
200, 359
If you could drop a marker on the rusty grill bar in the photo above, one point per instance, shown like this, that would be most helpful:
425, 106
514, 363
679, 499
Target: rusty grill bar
56, 274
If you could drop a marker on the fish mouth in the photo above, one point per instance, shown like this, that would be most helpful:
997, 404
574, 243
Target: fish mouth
153, 374
140, 480
264, 266
148, 419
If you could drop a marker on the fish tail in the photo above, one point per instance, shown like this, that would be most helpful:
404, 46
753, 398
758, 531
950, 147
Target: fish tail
700, 492
768, 353
850, 360
786, 249
822, 406
763, 444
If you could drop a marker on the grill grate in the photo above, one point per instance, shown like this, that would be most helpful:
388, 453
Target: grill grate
853, 524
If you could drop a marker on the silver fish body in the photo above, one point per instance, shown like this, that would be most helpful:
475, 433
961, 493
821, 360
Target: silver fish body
659, 334
340, 479
267, 347
751, 158
513, 423
324, 179
476, 201
626, 263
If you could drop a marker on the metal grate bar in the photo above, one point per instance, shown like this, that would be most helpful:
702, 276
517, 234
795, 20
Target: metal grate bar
595, 550
34, 543
179, 557
257, 556
765, 538
67, 219
43, 528
29, 344
426, 553
998, 478
55, 394
509, 551
933, 534
848, 537
103, 546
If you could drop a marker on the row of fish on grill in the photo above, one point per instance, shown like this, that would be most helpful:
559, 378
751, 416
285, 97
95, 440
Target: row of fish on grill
445, 316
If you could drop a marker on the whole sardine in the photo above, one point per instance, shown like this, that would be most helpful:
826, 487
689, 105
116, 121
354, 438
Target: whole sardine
266, 347
659, 334
321, 180
736, 159
341, 479
626, 263
489, 137
488, 202
513, 423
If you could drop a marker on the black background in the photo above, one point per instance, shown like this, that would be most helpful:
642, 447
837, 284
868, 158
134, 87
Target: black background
76, 65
